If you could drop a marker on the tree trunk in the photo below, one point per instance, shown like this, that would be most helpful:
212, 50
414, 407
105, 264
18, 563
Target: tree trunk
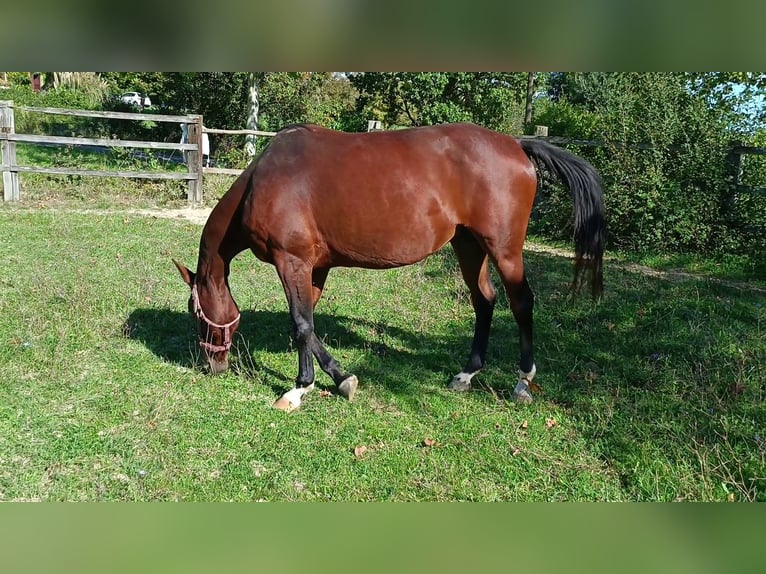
530, 95
252, 114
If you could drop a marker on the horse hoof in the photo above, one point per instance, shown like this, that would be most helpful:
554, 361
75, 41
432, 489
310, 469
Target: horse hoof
347, 387
521, 393
291, 400
460, 382
284, 404
523, 398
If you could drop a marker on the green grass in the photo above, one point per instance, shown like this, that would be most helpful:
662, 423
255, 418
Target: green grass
657, 392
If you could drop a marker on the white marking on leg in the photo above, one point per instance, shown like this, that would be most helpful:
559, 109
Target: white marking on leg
461, 381
522, 394
291, 400
530, 375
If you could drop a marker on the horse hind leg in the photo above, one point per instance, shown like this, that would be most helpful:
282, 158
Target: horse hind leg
522, 301
474, 265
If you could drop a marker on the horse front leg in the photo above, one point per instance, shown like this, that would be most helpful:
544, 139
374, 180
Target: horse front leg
295, 276
301, 293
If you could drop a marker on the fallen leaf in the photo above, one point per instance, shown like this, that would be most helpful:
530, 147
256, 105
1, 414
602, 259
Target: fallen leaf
429, 442
534, 387
456, 415
359, 451
611, 326
524, 425
516, 451
550, 423
731, 498
324, 393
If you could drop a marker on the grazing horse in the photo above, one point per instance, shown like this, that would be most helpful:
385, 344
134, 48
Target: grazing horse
317, 199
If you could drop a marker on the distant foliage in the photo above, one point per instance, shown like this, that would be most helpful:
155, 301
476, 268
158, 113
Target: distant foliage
669, 194
36, 123
491, 99
663, 158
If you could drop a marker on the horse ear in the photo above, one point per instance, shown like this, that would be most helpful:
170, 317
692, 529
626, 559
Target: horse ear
186, 275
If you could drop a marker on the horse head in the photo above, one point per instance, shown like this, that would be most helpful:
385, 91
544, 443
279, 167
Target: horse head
215, 336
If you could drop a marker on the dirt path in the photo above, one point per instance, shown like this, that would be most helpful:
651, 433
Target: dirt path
196, 215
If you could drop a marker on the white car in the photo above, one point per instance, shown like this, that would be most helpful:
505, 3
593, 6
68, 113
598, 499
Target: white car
134, 99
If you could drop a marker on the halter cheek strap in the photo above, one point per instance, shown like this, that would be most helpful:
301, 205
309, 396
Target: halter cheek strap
200, 314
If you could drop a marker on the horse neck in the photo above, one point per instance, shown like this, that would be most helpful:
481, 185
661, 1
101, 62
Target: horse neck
220, 242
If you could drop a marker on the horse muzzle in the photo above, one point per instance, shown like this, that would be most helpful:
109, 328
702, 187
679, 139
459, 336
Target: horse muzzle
218, 362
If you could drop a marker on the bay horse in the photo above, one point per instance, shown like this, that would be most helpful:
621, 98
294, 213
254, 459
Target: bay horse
317, 199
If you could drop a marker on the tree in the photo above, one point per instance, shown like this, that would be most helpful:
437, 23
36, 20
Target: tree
529, 99
662, 158
739, 94
321, 98
252, 116
491, 99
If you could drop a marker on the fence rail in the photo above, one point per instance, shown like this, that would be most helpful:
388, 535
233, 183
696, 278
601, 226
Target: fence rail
9, 138
181, 119
239, 132
736, 160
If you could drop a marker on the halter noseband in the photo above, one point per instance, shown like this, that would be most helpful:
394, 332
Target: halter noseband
200, 314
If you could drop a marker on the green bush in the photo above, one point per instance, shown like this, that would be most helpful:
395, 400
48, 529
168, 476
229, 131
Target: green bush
663, 160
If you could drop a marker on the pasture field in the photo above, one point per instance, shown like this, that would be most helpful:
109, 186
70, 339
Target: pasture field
655, 393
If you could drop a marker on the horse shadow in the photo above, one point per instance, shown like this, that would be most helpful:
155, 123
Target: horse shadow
392, 356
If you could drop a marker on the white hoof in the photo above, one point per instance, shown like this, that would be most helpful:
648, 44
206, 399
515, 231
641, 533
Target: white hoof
461, 382
522, 393
347, 387
291, 400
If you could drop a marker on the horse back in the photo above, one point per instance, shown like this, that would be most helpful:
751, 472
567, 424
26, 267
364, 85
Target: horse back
383, 199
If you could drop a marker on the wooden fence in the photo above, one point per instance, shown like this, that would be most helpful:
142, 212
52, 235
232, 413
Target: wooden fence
193, 148
194, 159
735, 161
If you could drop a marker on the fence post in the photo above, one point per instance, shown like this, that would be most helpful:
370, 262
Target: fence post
8, 153
194, 161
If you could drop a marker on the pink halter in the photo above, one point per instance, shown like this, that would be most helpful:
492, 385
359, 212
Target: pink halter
197, 309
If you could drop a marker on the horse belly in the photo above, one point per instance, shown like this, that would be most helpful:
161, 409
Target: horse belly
389, 234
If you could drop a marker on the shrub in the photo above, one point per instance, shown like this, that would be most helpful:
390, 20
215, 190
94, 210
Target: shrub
663, 160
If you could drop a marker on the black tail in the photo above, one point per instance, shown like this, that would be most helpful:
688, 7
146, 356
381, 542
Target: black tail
588, 207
